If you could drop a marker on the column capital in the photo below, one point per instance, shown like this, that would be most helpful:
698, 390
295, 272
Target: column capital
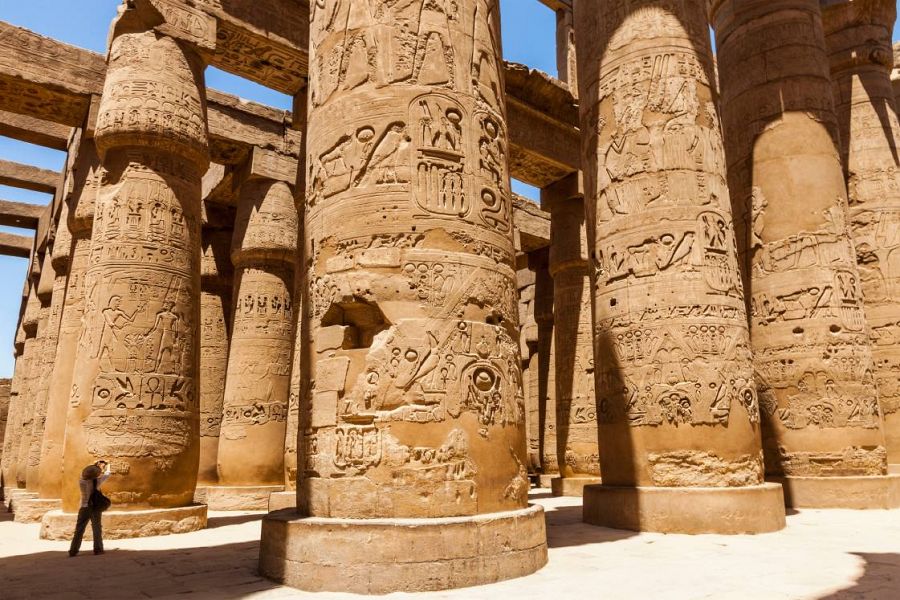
262, 163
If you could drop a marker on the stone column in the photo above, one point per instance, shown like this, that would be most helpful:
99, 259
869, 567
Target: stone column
34, 323
215, 325
858, 38
546, 367
676, 403
822, 429
80, 216
415, 439
895, 76
528, 345
53, 275
13, 421
566, 64
135, 399
576, 412
254, 418
4, 421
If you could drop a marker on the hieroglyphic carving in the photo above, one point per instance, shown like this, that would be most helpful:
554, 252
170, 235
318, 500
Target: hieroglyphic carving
858, 40
670, 337
811, 353
412, 296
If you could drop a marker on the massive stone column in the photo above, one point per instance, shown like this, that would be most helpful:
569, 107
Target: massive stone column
215, 326
34, 322
546, 367
566, 63
4, 419
858, 38
53, 275
821, 418
576, 412
79, 220
135, 399
13, 420
254, 417
414, 441
676, 404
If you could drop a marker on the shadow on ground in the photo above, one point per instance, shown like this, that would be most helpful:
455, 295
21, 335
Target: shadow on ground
565, 528
214, 522
221, 571
878, 581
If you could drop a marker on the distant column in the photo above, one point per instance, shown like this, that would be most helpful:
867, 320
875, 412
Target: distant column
576, 411
34, 323
85, 179
546, 365
822, 424
215, 325
858, 38
254, 417
676, 402
13, 420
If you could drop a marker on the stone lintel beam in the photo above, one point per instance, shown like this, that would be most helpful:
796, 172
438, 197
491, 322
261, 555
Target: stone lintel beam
46, 79
557, 4
34, 131
28, 177
532, 225
237, 125
266, 164
20, 214
542, 116
15, 245
265, 41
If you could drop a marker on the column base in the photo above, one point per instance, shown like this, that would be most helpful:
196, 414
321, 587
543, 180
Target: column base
16, 495
545, 480
122, 524
571, 486
380, 556
32, 510
894, 469
283, 500
859, 493
726, 510
238, 497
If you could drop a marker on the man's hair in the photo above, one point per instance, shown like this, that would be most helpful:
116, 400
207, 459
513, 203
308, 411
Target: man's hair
90, 472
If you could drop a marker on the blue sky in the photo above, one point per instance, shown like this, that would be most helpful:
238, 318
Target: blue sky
529, 36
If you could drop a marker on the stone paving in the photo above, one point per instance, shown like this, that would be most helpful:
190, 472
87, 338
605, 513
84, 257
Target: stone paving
823, 554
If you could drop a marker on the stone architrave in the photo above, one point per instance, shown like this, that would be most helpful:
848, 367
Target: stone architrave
80, 216
822, 425
576, 410
414, 441
858, 38
135, 398
546, 367
13, 419
215, 320
254, 417
676, 403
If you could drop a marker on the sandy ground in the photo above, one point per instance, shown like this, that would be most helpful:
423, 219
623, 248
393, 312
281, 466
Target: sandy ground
833, 554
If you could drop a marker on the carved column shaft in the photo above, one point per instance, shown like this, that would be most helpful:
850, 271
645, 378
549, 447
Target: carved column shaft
8, 461
676, 401
135, 395
80, 209
216, 281
576, 411
33, 319
546, 368
416, 408
858, 38
251, 444
812, 354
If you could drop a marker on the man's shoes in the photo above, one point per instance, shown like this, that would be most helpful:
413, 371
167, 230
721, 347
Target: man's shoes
99, 551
